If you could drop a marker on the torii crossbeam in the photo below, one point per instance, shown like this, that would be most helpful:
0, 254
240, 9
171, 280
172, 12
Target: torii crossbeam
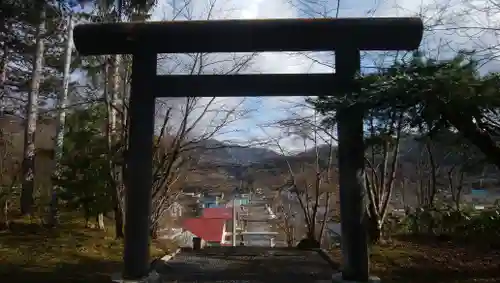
347, 37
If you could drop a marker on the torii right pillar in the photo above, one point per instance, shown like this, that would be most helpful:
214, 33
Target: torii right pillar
351, 166
355, 265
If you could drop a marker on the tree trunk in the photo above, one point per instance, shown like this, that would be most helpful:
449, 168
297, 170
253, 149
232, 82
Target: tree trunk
3, 71
118, 221
5, 224
100, 221
311, 235
86, 215
111, 100
374, 229
61, 106
153, 231
27, 201
293, 236
432, 190
468, 129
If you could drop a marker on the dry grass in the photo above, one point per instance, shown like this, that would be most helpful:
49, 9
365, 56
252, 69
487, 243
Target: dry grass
427, 260
69, 253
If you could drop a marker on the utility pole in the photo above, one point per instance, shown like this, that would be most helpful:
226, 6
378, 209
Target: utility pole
234, 222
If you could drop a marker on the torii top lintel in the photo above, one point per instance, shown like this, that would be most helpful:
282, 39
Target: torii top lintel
249, 35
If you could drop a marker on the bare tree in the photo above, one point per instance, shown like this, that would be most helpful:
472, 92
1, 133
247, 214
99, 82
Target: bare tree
382, 163
428, 172
463, 161
188, 123
62, 109
4, 59
311, 179
27, 201
9, 174
115, 135
178, 147
184, 125
456, 184
285, 218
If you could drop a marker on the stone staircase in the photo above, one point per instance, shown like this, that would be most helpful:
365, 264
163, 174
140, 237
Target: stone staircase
257, 218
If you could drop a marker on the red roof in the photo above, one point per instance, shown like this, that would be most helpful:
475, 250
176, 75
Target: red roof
208, 229
218, 213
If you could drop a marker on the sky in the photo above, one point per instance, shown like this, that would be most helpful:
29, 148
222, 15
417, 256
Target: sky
451, 25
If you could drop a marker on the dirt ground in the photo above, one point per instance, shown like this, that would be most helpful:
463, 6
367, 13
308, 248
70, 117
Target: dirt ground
69, 253
429, 259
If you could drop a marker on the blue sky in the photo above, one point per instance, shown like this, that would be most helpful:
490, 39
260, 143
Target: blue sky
439, 16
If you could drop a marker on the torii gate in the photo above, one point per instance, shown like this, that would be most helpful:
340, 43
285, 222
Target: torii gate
344, 36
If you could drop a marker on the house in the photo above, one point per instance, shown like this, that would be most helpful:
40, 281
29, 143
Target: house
170, 221
225, 214
210, 230
481, 197
191, 203
12, 136
239, 198
214, 227
185, 206
192, 191
176, 210
185, 239
211, 199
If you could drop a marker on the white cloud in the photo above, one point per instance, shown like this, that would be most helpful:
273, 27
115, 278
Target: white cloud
451, 25
246, 127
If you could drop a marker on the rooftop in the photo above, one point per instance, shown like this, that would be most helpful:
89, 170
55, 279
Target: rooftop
218, 213
210, 230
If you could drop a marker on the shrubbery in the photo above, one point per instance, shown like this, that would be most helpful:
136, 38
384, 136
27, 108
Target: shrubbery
442, 220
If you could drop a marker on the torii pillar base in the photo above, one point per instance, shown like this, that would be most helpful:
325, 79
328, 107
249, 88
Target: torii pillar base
153, 277
337, 278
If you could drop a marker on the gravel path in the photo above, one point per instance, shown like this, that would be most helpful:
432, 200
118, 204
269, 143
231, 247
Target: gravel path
247, 264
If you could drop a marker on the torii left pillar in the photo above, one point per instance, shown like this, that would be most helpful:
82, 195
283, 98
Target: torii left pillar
139, 189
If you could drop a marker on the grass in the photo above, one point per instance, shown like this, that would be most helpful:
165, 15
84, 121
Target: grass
427, 259
68, 253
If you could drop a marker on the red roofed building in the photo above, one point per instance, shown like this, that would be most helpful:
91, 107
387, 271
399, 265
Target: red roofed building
212, 231
218, 213
223, 213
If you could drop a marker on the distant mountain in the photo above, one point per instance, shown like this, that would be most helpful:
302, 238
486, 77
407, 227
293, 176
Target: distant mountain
250, 164
224, 154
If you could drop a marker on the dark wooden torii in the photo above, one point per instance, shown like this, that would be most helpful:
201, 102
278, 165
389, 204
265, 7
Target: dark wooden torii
347, 37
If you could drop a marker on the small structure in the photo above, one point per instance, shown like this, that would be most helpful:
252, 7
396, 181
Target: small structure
240, 197
197, 243
184, 239
481, 197
211, 199
176, 210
